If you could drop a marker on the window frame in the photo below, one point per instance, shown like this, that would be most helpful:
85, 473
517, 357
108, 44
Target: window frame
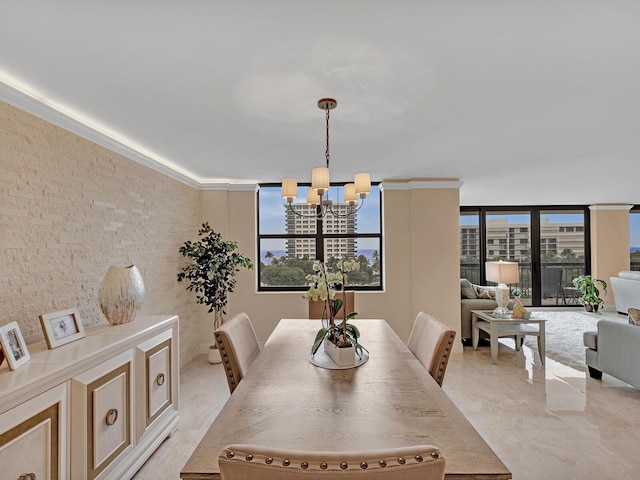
319, 237
634, 210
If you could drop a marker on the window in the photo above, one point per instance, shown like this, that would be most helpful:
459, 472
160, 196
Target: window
634, 237
543, 240
289, 242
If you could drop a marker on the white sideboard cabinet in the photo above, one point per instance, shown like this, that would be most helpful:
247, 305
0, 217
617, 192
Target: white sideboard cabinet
96, 408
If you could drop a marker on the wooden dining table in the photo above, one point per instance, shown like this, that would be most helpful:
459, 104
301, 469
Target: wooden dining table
391, 400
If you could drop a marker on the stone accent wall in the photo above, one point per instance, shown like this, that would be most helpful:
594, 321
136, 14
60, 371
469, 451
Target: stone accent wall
68, 210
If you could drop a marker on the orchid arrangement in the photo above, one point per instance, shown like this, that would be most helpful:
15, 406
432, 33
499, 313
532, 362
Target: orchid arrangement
324, 286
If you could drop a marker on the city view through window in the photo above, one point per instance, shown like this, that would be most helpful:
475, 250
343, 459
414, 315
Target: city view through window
291, 239
553, 238
634, 237
549, 246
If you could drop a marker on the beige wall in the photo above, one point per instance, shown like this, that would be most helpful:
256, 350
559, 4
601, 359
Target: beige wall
68, 210
421, 258
609, 243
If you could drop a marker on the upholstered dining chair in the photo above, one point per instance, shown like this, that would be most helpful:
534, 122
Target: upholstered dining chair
238, 345
431, 342
253, 462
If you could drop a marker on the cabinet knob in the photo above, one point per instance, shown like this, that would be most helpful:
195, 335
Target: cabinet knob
27, 476
111, 417
160, 379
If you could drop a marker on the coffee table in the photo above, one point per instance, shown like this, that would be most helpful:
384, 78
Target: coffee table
506, 327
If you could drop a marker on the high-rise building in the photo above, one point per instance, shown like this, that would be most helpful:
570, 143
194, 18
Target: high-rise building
306, 224
513, 241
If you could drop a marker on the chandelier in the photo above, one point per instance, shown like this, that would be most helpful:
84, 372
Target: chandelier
318, 192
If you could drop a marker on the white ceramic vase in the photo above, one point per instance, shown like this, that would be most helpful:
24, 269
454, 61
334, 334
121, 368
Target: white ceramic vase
343, 357
121, 294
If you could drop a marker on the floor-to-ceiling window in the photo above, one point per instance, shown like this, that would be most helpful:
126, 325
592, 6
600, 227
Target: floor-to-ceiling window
550, 244
634, 237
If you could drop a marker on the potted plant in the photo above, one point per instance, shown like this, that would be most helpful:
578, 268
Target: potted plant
588, 287
323, 285
211, 274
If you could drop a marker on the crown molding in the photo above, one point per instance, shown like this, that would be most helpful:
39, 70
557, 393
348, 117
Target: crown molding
228, 186
423, 183
53, 114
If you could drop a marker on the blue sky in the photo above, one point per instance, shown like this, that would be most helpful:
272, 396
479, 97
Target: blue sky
634, 226
272, 209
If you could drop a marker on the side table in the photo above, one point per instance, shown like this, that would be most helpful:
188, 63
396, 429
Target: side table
506, 327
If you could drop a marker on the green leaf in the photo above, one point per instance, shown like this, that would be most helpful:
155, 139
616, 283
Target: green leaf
350, 316
337, 305
320, 336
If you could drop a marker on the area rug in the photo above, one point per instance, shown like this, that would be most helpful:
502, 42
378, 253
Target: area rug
563, 334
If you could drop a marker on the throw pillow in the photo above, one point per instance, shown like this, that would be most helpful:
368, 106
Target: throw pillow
466, 289
634, 316
485, 292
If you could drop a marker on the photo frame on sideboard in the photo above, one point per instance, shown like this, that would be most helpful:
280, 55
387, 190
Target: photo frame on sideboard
62, 327
13, 345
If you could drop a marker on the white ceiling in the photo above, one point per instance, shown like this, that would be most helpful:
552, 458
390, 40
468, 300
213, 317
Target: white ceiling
526, 102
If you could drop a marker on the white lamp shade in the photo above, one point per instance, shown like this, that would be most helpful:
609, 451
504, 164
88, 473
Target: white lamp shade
320, 179
363, 184
350, 196
502, 272
312, 196
289, 188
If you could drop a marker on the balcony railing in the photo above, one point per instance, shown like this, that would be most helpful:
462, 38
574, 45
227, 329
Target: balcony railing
471, 271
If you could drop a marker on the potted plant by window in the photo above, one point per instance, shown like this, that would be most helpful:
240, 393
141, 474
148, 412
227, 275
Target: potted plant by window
211, 274
588, 287
340, 338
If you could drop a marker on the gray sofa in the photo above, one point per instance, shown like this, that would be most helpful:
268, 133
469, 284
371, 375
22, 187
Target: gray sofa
614, 349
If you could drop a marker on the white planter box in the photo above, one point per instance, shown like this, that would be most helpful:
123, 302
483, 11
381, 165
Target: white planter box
343, 357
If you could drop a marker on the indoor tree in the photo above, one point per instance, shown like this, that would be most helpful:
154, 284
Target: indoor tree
212, 269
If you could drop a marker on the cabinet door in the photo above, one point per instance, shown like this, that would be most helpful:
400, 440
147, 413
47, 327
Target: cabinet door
37, 426
156, 390
102, 416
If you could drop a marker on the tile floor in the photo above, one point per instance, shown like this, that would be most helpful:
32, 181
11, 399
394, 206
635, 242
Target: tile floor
550, 422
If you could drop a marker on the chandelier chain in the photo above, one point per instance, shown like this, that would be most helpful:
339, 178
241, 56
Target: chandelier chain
326, 152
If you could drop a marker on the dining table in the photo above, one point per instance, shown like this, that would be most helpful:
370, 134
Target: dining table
390, 400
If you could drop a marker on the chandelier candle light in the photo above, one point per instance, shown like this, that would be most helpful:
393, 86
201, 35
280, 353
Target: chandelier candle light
318, 192
502, 273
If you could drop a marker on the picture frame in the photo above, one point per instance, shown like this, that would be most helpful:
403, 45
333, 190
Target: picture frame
62, 327
13, 345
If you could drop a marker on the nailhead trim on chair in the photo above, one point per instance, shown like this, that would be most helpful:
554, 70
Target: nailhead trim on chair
324, 466
226, 362
445, 359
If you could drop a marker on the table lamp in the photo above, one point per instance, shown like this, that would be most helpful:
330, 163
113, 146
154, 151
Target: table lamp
502, 273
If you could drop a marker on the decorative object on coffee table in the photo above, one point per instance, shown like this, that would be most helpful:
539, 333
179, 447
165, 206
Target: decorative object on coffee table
518, 309
121, 294
502, 273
